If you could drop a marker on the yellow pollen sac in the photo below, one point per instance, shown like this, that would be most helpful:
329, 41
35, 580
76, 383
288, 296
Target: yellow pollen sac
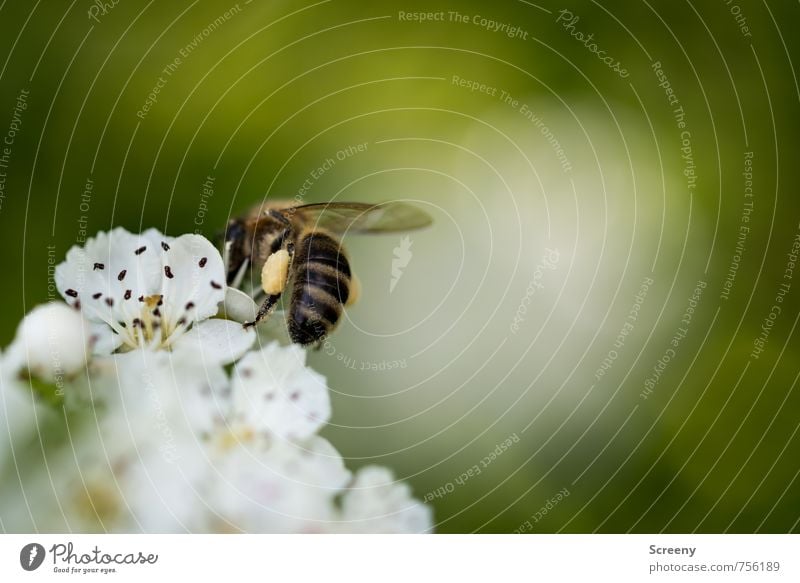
151, 303
275, 272
233, 437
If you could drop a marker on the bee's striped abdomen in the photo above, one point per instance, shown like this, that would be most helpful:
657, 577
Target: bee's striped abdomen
321, 286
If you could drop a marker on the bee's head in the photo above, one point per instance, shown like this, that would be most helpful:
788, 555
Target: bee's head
234, 247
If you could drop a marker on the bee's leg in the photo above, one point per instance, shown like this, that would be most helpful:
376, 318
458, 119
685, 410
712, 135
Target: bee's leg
274, 276
264, 310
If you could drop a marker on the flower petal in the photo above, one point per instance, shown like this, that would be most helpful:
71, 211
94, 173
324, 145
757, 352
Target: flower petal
19, 410
276, 486
103, 340
376, 503
51, 342
148, 451
108, 275
273, 390
238, 306
159, 399
193, 280
216, 341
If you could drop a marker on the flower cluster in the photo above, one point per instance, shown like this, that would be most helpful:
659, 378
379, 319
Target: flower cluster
138, 406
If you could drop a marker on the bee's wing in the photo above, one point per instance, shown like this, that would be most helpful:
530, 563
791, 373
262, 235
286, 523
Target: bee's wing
356, 217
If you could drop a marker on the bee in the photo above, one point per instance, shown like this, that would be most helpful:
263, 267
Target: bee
299, 247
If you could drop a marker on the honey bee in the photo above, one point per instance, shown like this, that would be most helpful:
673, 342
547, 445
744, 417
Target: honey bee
298, 246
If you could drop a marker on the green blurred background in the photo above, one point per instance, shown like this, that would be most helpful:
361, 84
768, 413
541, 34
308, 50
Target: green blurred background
558, 189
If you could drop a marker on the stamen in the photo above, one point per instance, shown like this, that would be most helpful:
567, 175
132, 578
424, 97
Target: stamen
97, 296
215, 285
71, 293
127, 295
148, 315
121, 275
189, 305
148, 325
109, 302
237, 280
181, 326
98, 266
168, 272
164, 246
115, 327
203, 262
141, 250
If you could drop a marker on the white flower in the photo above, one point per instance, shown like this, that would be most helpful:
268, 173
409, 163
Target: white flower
376, 503
152, 291
160, 438
171, 447
147, 454
19, 413
159, 399
51, 343
274, 391
265, 485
